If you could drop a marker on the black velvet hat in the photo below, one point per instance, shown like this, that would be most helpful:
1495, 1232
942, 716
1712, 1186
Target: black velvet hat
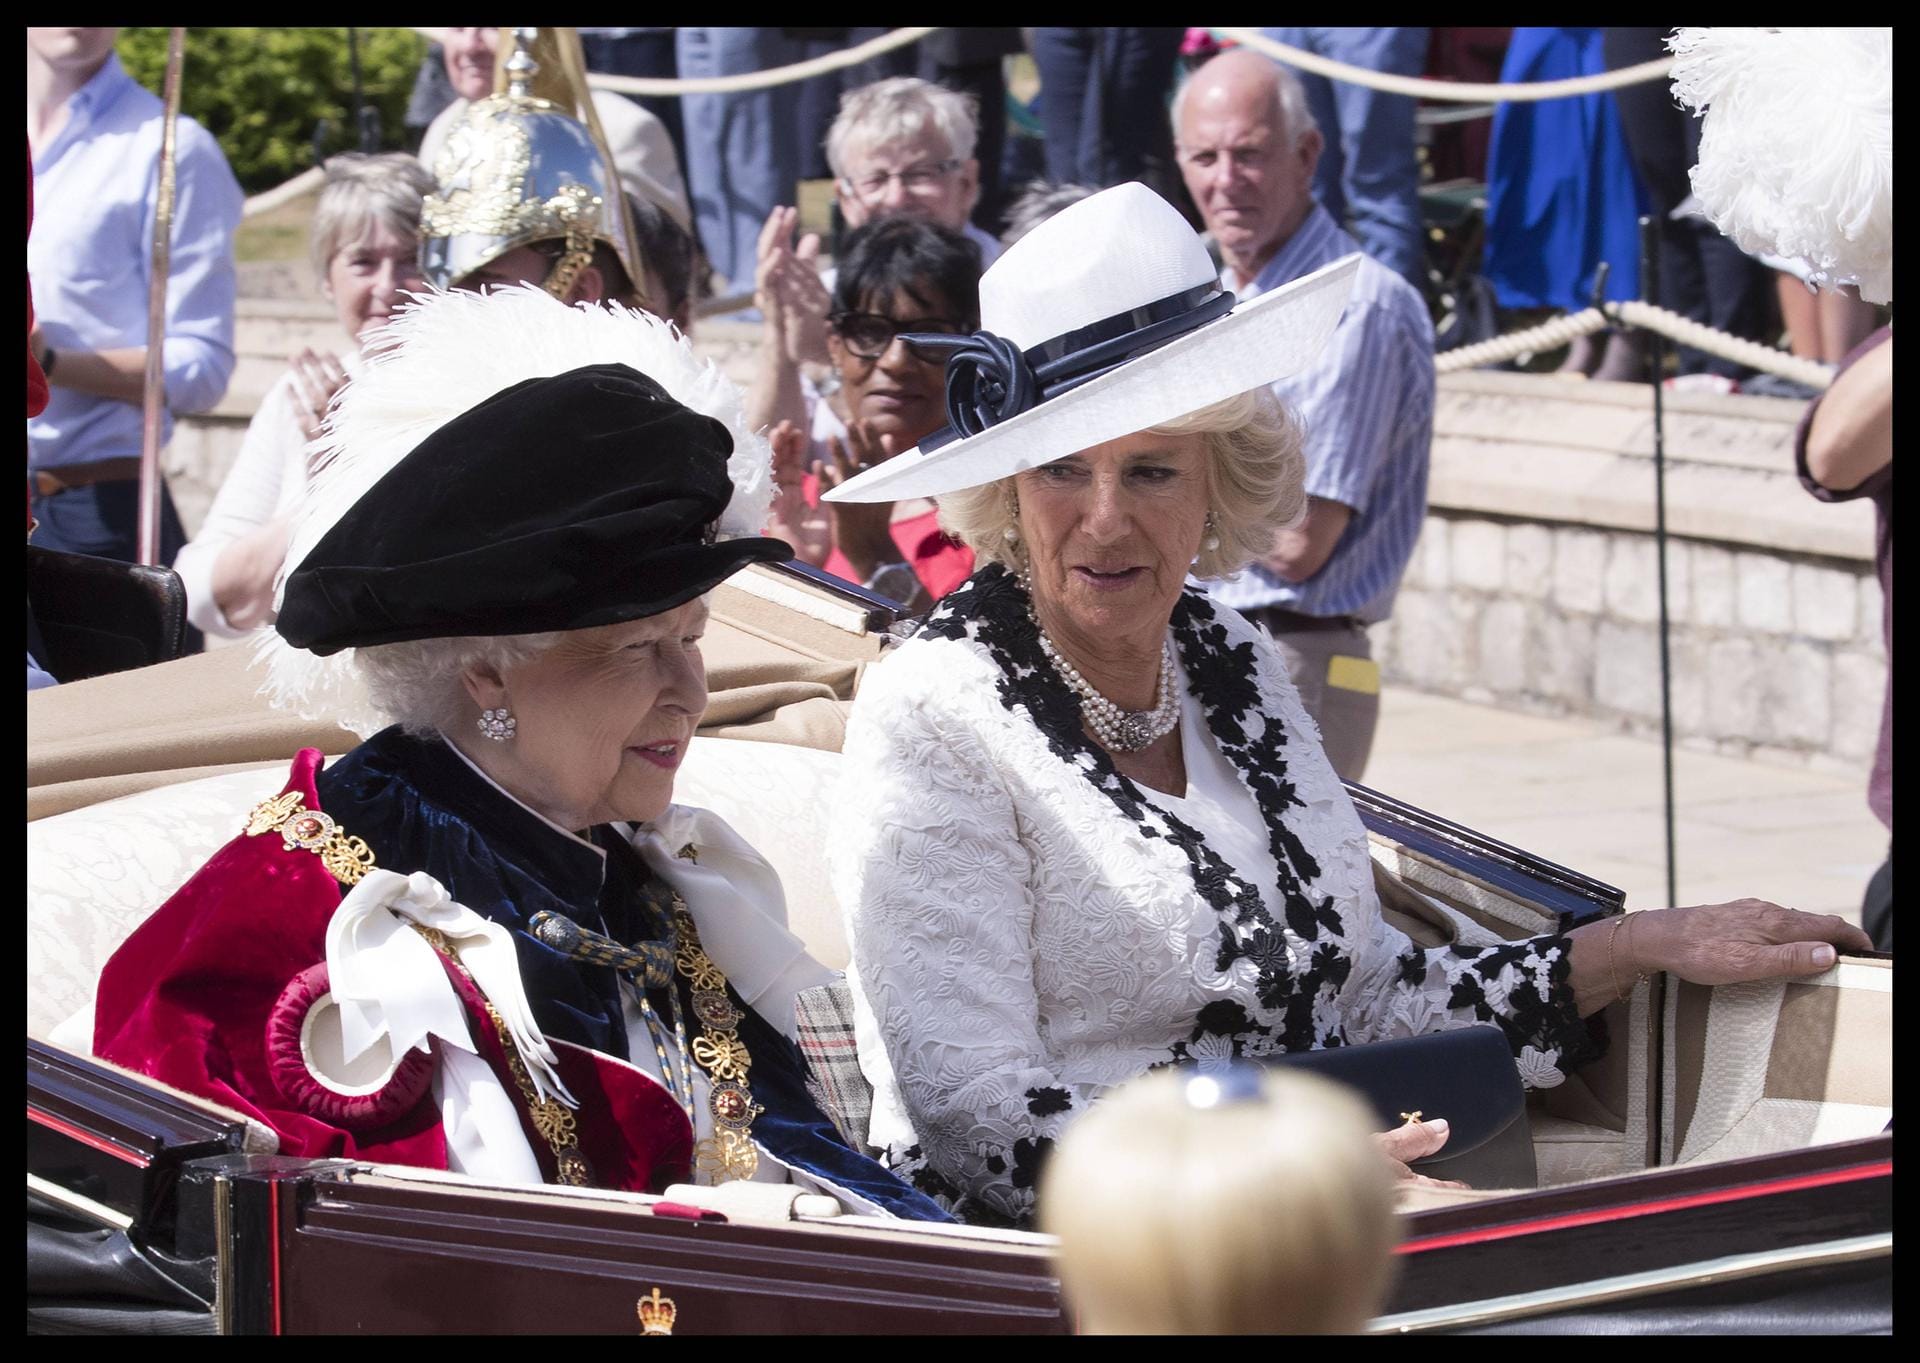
559, 503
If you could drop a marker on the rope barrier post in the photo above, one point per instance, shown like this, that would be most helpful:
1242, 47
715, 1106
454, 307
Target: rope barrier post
1656, 372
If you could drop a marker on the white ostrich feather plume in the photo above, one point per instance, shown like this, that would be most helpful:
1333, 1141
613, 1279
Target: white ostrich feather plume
442, 357
1796, 148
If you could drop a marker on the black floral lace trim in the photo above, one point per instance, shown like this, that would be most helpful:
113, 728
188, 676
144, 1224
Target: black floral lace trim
991, 609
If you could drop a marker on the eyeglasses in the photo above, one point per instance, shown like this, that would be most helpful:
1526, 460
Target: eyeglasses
920, 179
868, 334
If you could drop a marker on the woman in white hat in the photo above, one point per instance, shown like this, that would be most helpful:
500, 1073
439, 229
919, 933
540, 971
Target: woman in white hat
1087, 828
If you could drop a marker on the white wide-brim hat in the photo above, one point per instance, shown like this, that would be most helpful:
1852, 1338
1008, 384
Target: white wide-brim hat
1106, 319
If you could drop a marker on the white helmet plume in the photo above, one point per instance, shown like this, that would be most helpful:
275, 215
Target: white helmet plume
1796, 147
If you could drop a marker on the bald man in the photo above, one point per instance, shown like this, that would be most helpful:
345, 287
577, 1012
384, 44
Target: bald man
1248, 150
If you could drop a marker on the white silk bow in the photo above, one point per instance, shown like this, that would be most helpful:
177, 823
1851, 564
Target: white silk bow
386, 979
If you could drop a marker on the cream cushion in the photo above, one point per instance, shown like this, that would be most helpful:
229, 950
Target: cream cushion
94, 874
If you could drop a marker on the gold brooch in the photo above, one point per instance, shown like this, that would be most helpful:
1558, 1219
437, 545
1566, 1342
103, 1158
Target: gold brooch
347, 859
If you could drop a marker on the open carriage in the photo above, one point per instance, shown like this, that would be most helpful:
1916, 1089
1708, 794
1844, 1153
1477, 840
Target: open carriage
1728, 1165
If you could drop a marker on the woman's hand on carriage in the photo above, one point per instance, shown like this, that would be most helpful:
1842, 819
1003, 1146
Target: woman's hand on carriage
1711, 944
1747, 939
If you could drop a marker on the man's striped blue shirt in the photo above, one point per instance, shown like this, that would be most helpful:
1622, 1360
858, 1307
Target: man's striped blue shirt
1367, 404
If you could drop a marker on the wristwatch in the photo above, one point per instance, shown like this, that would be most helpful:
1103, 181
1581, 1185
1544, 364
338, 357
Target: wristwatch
894, 580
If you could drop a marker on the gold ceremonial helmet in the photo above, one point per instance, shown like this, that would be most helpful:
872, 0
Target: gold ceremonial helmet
525, 165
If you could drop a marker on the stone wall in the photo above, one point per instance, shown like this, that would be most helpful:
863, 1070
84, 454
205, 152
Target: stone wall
1776, 613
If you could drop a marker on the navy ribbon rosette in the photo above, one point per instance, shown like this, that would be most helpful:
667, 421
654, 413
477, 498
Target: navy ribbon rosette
990, 379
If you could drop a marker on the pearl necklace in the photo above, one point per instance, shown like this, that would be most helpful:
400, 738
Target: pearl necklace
1117, 729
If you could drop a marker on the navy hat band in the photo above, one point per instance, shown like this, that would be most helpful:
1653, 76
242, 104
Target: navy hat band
990, 379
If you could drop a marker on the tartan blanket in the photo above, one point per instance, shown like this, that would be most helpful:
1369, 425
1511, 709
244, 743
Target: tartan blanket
824, 1033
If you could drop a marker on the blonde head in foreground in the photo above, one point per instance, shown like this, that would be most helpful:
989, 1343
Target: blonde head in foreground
1246, 1202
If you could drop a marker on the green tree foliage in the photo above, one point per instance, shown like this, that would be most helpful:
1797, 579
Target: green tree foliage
263, 91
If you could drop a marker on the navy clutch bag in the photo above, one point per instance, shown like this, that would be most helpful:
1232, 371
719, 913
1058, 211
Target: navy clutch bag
1466, 1076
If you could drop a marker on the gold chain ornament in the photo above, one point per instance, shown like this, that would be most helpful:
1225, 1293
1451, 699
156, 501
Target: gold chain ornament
729, 1153
551, 1118
347, 859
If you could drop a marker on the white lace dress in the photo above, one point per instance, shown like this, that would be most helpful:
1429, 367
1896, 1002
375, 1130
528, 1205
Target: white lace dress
1029, 927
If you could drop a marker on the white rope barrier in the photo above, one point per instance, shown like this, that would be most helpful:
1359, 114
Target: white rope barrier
1702, 337
306, 182
1459, 92
1548, 335
1560, 330
745, 80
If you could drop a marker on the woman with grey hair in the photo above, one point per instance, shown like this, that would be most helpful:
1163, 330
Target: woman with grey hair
365, 251
1086, 828
486, 939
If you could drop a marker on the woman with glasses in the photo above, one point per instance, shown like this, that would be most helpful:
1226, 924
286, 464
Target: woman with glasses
900, 148
897, 276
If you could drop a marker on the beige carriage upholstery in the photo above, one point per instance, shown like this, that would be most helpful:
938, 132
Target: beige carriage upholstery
1596, 1123
94, 874
1752, 1068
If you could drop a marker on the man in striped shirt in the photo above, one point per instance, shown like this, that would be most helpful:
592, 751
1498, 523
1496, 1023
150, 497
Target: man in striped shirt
1248, 148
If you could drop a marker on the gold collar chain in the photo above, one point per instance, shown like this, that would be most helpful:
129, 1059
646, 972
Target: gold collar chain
729, 1153
551, 1118
347, 859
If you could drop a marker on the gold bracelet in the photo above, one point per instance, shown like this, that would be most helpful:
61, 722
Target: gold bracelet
1613, 975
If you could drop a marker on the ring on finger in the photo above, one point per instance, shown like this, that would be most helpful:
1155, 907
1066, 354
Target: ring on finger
1411, 1118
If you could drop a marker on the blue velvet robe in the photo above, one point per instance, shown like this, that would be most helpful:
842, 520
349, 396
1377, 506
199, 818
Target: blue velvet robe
420, 807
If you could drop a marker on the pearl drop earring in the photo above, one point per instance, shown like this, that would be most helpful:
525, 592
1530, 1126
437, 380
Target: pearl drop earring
1212, 541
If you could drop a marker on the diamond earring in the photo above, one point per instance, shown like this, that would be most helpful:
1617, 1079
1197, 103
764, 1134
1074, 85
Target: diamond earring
498, 724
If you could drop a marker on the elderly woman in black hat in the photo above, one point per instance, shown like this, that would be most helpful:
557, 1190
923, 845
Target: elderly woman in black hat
1086, 828
486, 939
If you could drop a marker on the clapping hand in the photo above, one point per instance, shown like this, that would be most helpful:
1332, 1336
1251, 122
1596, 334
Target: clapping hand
863, 531
808, 529
317, 376
788, 289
